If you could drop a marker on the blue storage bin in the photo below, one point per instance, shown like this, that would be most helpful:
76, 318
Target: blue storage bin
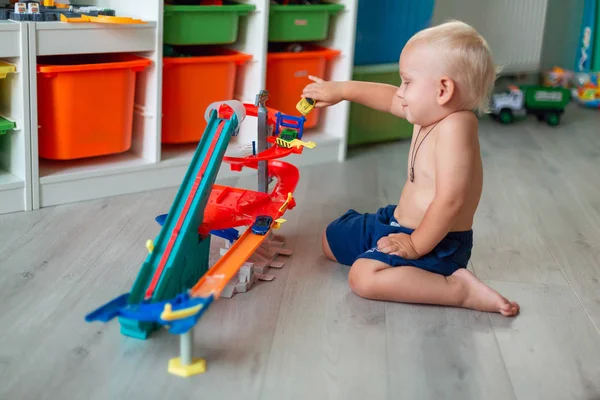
384, 26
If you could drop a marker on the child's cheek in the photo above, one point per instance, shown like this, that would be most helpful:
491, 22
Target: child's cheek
408, 96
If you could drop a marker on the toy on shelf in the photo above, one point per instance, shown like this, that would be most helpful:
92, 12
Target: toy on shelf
586, 91
50, 11
175, 285
6, 125
5, 69
546, 103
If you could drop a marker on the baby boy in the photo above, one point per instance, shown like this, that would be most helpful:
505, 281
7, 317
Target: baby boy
417, 251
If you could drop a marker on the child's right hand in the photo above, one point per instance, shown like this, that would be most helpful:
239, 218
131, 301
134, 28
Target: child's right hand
324, 93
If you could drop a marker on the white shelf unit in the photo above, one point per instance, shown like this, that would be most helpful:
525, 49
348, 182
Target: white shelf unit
59, 182
149, 164
15, 155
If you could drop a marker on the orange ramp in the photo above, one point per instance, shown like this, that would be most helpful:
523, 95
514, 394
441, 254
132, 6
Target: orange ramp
228, 265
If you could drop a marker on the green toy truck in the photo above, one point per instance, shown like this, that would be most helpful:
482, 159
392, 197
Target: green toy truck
288, 134
547, 103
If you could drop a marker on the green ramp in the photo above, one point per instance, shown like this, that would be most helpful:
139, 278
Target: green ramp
180, 256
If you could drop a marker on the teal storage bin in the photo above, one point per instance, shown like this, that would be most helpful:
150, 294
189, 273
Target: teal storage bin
384, 26
370, 126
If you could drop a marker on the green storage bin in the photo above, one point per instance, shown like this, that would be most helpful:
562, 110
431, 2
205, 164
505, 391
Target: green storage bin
194, 25
371, 126
300, 23
6, 125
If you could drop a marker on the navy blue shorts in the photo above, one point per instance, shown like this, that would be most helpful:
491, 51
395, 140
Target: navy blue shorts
354, 235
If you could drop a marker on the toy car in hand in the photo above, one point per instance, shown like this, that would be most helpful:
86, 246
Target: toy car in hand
262, 224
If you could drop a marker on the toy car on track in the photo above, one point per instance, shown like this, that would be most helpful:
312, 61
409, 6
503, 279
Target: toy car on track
262, 224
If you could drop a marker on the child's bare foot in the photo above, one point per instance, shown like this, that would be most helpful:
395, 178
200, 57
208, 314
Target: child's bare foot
481, 297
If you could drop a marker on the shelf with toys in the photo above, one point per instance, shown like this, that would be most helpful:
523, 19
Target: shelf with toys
281, 61
15, 160
96, 86
117, 107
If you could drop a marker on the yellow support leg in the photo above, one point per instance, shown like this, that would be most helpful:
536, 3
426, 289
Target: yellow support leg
186, 366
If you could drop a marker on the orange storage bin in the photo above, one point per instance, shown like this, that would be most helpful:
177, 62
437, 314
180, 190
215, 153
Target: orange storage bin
86, 104
287, 75
191, 82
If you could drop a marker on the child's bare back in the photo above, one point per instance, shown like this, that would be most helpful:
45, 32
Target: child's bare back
418, 250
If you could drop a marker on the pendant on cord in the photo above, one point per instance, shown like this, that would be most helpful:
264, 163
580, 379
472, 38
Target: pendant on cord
412, 174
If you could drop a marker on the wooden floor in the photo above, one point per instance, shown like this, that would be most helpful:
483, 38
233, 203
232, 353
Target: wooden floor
305, 335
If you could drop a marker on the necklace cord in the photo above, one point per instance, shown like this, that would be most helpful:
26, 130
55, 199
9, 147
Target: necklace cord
416, 150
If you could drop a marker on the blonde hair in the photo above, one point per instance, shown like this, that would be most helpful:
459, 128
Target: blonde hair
468, 60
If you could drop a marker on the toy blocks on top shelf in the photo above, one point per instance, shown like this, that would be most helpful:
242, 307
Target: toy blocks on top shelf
256, 268
48, 11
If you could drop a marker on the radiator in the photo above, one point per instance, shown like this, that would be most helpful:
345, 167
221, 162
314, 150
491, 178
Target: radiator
514, 29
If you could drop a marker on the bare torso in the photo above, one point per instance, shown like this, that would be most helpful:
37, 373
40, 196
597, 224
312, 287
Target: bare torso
416, 196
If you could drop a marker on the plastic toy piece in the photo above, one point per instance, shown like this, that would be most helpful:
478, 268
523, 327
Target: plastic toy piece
544, 102
82, 18
217, 277
185, 365
587, 89
6, 125
262, 225
298, 142
262, 133
153, 312
278, 222
100, 19
178, 367
198, 189
161, 219
295, 143
287, 202
230, 234
175, 286
289, 121
108, 19
169, 315
177, 248
305, 105
5, 69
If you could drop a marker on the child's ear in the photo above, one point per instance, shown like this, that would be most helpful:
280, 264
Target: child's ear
445, 90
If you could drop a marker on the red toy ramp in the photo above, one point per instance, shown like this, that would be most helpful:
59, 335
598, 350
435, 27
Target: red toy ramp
232, 207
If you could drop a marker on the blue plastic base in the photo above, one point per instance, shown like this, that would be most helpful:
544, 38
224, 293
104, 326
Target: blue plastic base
230, 234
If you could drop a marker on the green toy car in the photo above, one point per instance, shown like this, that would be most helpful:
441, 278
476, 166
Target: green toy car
288, 134
547, 103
